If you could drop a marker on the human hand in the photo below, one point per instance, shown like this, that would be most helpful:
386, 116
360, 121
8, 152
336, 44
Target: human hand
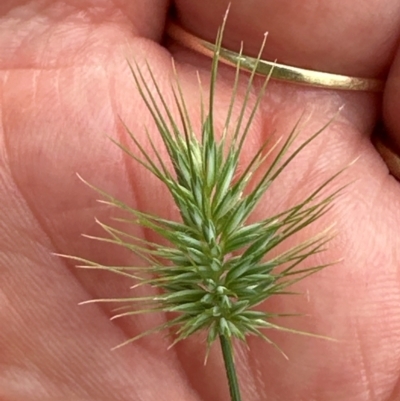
65, 81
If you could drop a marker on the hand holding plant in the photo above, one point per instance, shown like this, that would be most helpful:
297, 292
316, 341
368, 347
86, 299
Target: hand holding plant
52, 349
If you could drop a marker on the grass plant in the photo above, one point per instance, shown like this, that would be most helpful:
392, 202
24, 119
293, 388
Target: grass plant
214, 268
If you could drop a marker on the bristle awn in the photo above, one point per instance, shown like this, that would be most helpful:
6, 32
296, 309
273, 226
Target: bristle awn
260, 96
233, 97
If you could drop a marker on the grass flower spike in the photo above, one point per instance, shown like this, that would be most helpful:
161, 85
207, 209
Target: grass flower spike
215, 269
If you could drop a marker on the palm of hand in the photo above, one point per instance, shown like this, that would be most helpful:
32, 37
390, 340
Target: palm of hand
60, 93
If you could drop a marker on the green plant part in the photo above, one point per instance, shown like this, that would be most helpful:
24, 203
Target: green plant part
215, 269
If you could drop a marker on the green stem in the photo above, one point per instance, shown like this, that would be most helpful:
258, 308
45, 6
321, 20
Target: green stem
227, 352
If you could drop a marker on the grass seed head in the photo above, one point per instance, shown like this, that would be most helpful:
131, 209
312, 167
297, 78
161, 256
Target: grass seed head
215, 268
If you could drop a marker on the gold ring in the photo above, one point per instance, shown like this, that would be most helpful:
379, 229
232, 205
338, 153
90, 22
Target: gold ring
388, 151
281, 72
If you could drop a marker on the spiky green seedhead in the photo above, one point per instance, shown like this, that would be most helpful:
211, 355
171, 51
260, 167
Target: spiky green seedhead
215, 269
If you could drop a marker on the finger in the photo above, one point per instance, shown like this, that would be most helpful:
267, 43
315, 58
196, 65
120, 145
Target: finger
51, 34
391, 105
300, 44
353, 38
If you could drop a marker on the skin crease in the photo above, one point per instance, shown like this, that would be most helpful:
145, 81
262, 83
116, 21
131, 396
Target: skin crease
64, 81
